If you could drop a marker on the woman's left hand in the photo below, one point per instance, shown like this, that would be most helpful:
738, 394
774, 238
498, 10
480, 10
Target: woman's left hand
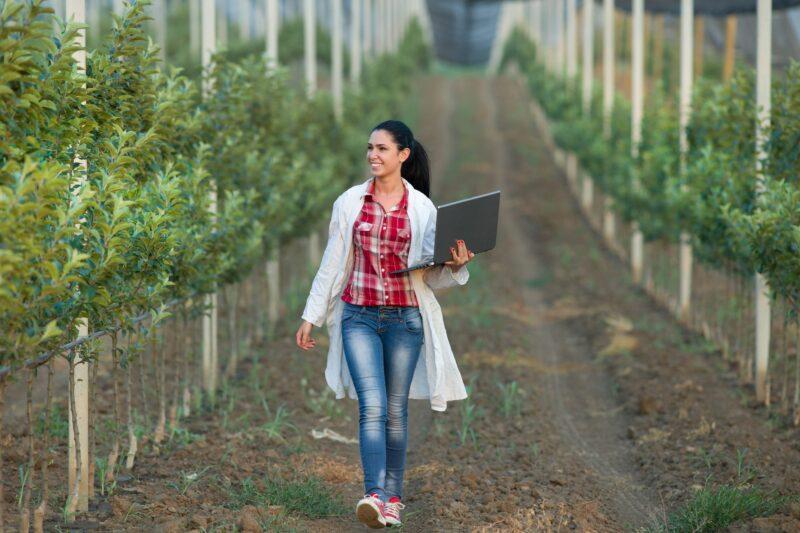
461, 256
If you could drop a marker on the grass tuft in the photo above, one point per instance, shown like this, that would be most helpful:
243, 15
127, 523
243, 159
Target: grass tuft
308, 497
717, 508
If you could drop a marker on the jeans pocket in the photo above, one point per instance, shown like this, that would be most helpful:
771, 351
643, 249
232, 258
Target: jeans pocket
413, 321
351, 311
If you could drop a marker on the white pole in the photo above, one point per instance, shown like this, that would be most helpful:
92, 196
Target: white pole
572, 40
558, 32
763, 105
79, 502
194, 29
536, 24
588, 54
609, 220
637, 108
686, 74
310, 33
222, 25
209, 46
273, 23
587, 197
368, 29
160, 21
244, 19
336, 59
355, 43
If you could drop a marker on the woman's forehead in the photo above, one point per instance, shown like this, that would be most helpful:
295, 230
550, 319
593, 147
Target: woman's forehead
381, 137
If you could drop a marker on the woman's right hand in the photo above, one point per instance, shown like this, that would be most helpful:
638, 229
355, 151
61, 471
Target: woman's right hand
303, 336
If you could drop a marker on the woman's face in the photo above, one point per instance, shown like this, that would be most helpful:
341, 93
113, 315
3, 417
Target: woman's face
383, 154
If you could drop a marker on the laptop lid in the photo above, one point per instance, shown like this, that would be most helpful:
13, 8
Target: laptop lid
472, 220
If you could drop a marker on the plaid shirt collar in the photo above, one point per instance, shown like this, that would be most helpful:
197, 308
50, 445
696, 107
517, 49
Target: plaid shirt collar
370, 189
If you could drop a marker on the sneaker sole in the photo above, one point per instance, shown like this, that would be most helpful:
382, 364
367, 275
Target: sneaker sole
369, 514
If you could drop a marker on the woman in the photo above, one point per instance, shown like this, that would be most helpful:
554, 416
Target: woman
387, 327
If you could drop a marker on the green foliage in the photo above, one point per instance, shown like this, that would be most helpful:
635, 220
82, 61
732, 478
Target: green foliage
179, 195
734, 216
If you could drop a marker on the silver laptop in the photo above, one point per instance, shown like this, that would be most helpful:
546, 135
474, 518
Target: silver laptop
472, 220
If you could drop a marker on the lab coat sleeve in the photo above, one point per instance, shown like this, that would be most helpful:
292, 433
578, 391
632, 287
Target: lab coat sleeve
316, 308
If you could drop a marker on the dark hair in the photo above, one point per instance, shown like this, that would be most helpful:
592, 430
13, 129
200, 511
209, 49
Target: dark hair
415, 169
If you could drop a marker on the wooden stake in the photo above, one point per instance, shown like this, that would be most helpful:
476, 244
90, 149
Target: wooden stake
699, 33
730, 47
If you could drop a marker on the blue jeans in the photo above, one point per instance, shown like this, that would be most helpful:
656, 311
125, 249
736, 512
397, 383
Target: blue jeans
381, 346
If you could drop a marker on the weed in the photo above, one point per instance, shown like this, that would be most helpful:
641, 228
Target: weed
309, 497
179, 436
102, 472
23, 472
187, 480
275, 427
716, 509
510, 399
534, 449
745, 473
58, 425
469, 414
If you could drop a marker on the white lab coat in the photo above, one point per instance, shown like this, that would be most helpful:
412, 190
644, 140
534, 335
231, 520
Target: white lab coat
436, 375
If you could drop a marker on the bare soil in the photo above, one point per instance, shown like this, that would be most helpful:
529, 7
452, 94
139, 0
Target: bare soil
620, 413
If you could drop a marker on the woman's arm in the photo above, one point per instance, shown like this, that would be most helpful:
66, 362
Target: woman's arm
317, 303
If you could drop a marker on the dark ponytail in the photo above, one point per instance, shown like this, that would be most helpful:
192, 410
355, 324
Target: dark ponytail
415, 169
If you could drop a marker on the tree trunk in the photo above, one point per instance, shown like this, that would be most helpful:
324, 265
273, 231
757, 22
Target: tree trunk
132, 441
187, 357
178, 350
113, 455
3, 437
25, 516
74, 491
158, 436
39, 513
233, 334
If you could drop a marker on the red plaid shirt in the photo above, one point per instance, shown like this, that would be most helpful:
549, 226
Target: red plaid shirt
382, 240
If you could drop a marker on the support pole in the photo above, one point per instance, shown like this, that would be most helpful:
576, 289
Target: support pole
310, 34
369, 25
76, 11
336, 58
685, 249
588, 55
637, 109
194, 29
730, 47
763, 105
209, 46
572, 40
699, 33
609, 220
160, 22
273, 287
558, 33
587, 191
273, 23
244, 16
355, 42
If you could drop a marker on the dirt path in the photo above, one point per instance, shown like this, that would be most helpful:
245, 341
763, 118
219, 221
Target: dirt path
589, 408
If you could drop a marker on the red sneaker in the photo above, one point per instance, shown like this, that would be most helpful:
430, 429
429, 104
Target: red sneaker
370, 511
391, 511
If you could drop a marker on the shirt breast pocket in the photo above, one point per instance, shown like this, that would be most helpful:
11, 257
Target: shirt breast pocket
363, 236
402, 243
